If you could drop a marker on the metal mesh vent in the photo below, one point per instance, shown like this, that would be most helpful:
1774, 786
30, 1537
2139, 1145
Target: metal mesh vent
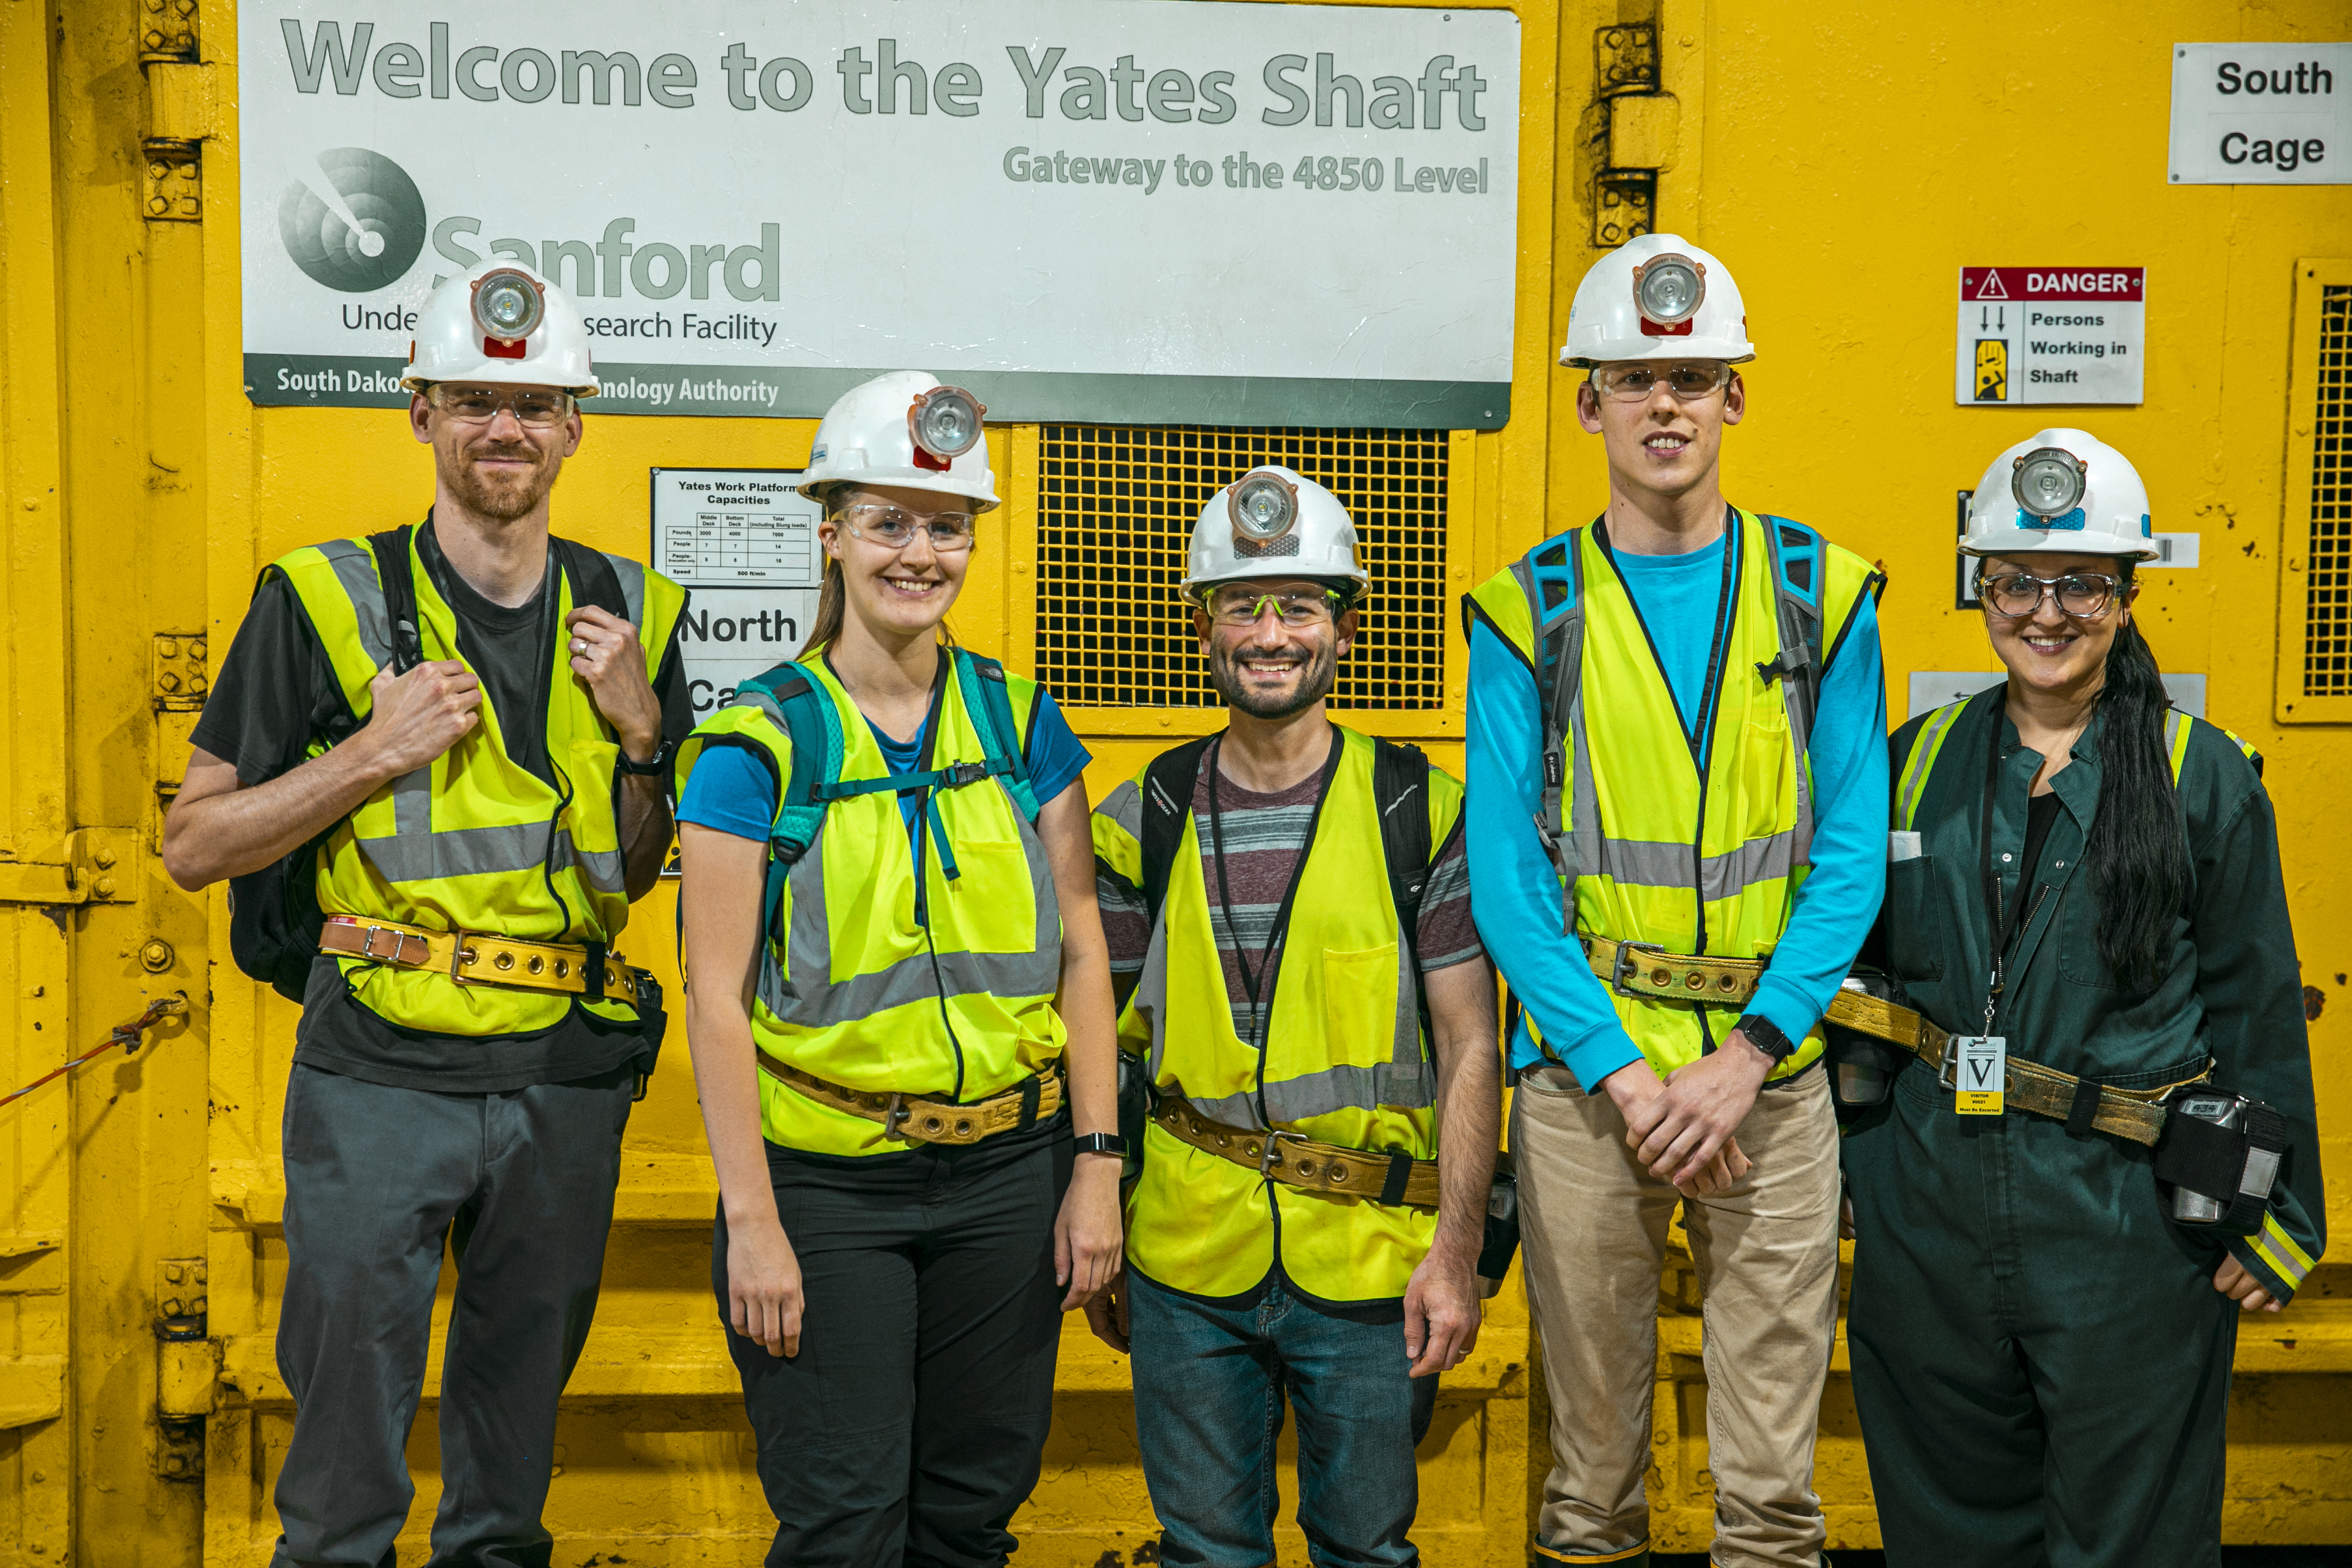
2327, 623
1116, 506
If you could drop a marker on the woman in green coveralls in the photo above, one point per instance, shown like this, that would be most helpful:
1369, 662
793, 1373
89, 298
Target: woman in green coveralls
2041, 1352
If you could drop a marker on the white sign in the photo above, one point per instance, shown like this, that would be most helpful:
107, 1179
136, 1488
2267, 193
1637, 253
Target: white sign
743, 540
2050, 334
1126, 211
2262, 114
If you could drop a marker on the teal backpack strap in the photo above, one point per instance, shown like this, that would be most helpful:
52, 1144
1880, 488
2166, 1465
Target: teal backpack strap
1551, 575
981, 683
1798, 566
989, 701
814, 727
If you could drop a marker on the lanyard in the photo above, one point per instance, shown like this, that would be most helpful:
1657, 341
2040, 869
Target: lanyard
1271, 955
2005, 930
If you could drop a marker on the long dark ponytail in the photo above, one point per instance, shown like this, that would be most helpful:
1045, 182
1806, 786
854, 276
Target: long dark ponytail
2137, 853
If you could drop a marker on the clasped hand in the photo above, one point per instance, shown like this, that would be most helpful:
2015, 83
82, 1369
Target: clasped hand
1682, 1128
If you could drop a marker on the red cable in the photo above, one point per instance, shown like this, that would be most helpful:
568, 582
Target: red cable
125, 1034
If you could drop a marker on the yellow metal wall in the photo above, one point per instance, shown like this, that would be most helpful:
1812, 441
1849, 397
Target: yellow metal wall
1846, 161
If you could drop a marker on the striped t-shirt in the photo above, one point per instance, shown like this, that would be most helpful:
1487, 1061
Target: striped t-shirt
1264, 836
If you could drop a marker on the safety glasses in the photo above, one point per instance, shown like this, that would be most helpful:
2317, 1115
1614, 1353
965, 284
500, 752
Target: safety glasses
2085, 595
1636, 380
1298, 608
480, 404
894, 527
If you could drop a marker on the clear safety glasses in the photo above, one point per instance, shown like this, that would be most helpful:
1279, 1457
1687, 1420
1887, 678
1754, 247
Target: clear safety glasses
480, 404
2085, 595
1298, 608
894, 527
1635, 381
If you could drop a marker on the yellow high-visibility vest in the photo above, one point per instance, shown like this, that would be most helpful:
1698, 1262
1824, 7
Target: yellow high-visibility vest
1344, 1059
952, 999
474, 841
1661, 849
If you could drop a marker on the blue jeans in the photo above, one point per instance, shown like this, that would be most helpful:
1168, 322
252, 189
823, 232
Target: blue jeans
1210, 1385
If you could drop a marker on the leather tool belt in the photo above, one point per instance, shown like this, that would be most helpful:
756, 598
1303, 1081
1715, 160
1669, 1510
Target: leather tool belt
480, 958
919, 1120
1640, 969
1302, 1163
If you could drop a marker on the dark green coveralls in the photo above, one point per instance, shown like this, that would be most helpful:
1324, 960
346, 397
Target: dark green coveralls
2041, 1361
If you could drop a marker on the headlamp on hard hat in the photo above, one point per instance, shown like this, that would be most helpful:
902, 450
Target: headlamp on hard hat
1263, 505
508, 305
945, 422
1669, 288
2048, 481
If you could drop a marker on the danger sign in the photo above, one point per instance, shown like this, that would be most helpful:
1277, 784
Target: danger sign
2050, 334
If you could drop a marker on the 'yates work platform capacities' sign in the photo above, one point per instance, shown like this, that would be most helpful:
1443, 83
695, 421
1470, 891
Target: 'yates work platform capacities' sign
2050, 334
1133, 211
2262, 114
743, 543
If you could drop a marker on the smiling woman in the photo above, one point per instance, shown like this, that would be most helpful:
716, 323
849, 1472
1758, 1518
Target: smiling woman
901, 1014
2089, 896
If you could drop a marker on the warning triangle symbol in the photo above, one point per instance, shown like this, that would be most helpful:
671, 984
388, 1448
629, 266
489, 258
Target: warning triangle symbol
1990, 288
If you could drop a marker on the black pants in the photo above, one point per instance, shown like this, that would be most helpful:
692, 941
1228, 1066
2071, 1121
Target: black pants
2041, 1361
375, 1179
912, 1423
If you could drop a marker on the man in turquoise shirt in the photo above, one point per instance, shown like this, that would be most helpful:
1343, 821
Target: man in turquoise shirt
1689, 821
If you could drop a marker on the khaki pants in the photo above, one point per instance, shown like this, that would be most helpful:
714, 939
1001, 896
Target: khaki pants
1595, 1231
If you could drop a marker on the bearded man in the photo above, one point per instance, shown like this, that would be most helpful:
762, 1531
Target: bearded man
1288, 911
437, 752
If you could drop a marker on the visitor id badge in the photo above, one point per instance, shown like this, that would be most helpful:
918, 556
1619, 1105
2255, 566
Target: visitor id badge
1979, 1073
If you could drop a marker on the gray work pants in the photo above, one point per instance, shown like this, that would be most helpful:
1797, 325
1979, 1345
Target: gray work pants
522, 1185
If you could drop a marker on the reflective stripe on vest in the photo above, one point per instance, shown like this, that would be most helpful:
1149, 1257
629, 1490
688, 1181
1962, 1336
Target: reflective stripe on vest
1694, 855
1344, 1059
1919, 763
851, 987
491, 846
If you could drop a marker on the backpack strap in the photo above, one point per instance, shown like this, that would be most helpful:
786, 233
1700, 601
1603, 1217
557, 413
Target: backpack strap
1552, 577
814, 727
594, 580
989, 702
1167, 803
1797, 570
394, 572
1399, 794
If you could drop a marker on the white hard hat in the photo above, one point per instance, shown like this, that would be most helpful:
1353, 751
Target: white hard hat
1658, 296
462, 334
2060, 491
904, 429
1271, 522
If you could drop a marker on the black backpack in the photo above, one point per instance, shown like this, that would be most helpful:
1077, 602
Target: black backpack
1399, 772
273, 914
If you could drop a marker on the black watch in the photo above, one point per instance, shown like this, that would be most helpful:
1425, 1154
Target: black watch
654, 768
1765, 1036
1102, 1143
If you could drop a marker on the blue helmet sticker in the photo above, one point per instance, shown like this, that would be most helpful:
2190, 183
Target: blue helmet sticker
2071, 522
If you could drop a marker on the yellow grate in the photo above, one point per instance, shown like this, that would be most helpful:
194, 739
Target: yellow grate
1116, 506
2327, 614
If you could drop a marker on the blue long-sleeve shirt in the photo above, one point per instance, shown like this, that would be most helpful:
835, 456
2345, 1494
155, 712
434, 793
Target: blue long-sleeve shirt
1515, 890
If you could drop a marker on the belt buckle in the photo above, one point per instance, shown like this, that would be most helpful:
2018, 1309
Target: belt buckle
1947, 1070
893, 1114
400, 941
459, 952
1624, 966
1275, 1139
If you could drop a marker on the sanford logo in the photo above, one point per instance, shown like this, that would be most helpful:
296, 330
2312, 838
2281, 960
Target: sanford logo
368, 236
